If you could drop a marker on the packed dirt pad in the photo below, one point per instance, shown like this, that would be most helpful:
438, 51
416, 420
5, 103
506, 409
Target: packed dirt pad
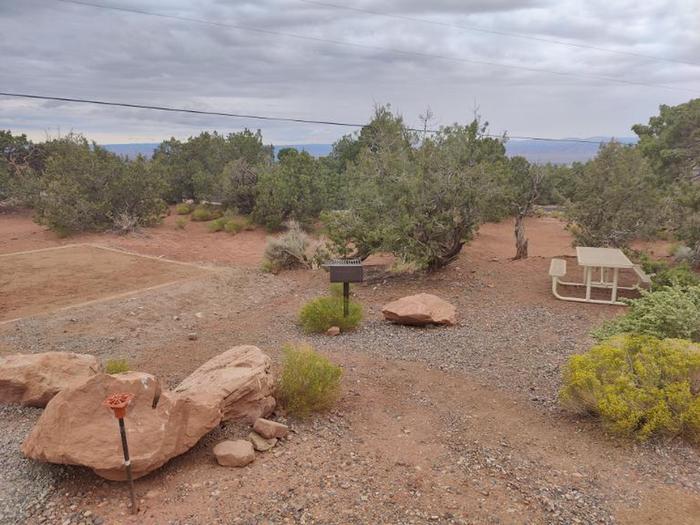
435, 425
42, 280
193, 243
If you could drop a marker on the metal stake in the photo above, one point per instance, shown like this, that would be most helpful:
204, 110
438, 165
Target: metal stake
118, 403
346, 299
127, 463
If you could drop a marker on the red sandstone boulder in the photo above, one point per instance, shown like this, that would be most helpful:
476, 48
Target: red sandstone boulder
76, 429
239, 381
419, 310
33, 379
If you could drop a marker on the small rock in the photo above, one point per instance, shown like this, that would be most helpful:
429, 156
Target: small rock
333, 331
237, 453
270, 429
192, 336
260, 443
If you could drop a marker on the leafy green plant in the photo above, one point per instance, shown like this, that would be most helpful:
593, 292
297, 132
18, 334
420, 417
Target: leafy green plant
116, 366
673, 311
638, 386
309, 382
180, 223
319, 315
183, 209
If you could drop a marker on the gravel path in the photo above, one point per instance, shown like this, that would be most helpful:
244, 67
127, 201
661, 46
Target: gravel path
25, 485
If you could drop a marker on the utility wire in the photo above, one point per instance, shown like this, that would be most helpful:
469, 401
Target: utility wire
498, 32
376, 48
256, 117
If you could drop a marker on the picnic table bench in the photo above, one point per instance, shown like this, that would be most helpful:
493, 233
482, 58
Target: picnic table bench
609, 262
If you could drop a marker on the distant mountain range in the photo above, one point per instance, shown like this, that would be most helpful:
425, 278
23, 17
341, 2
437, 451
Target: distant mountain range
536, 151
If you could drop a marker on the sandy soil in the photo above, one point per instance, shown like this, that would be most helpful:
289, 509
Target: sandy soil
194, 243
44, 280
435, 426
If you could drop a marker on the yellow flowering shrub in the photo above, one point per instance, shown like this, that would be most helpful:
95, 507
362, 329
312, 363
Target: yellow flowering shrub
638, 386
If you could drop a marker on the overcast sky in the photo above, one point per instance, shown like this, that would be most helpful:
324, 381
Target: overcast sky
54, 48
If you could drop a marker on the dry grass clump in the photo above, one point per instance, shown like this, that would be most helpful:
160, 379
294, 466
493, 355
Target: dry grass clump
116, 366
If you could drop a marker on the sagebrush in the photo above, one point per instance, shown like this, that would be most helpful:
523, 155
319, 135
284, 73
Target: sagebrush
287, 251
320, 314
309, 382
639, 386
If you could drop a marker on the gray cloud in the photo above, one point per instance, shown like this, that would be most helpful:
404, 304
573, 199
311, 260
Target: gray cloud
53, 48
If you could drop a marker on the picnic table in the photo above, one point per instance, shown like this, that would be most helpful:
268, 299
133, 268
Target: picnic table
609, 262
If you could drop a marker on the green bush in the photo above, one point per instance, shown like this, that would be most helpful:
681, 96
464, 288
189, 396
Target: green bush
672, 312
665, 275
233, 226
681, 275
86, 188
180, 223
116, 366
616, 198
183, 209
297, 187
638, 386
204, 213
319, 315
309, 382
216, 225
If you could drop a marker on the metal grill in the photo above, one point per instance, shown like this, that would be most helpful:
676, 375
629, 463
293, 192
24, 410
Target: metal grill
345, 271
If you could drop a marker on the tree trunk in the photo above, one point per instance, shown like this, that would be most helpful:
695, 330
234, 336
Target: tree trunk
520, 240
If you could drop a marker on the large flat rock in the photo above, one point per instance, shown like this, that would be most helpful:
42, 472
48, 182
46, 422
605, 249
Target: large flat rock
420, 310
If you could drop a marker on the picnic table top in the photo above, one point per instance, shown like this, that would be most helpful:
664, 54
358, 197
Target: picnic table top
602, 257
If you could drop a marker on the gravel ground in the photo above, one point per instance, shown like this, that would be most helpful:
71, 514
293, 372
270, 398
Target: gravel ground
491, 346
25, 486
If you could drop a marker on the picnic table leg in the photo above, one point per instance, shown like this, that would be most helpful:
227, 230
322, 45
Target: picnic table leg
616, 271
589, 274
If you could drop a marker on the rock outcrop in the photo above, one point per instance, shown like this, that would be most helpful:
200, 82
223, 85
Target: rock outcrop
76, 429
33, 379
239, 381
419, 310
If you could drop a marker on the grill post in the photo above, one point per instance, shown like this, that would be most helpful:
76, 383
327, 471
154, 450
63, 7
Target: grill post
346, 299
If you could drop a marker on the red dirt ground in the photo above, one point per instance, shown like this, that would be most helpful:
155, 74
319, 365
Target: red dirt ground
407, 442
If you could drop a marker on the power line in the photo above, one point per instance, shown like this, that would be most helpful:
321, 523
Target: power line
253, 116
377, 48
511, 34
